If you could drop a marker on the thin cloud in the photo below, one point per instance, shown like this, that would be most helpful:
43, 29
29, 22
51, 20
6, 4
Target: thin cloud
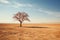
17, 5
57, 14
4, 1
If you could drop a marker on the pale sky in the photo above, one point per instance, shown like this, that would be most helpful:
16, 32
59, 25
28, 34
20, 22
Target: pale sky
39, 11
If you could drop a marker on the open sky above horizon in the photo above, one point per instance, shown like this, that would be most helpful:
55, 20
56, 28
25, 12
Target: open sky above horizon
39, 11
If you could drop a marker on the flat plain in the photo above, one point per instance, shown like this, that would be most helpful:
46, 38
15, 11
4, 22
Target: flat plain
30, 32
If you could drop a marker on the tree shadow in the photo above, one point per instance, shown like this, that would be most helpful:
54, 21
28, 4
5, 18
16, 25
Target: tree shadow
35, 27
31, 27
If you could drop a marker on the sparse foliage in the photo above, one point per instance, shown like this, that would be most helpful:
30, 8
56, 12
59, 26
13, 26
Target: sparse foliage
21, 16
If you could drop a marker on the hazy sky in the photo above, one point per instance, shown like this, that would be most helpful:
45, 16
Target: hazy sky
39, 11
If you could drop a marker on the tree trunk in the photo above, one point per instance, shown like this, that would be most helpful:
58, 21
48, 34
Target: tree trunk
20, 24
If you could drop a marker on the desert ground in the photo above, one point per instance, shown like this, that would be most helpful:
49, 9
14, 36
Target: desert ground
29, 32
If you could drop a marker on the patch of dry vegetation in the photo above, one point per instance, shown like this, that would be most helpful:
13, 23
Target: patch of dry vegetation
13, 32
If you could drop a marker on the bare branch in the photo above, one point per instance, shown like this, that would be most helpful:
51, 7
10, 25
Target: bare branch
21, 16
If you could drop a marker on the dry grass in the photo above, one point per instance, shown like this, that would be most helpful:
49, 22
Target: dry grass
28, 32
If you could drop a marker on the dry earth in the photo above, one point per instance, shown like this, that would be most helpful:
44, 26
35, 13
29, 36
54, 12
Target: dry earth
13, 32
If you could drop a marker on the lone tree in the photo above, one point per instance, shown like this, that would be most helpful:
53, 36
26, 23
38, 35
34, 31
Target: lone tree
21, 16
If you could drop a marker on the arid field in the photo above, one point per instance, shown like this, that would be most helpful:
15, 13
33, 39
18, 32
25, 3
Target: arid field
30, 32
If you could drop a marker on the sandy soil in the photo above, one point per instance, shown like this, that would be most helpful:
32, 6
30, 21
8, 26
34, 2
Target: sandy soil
14, 32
